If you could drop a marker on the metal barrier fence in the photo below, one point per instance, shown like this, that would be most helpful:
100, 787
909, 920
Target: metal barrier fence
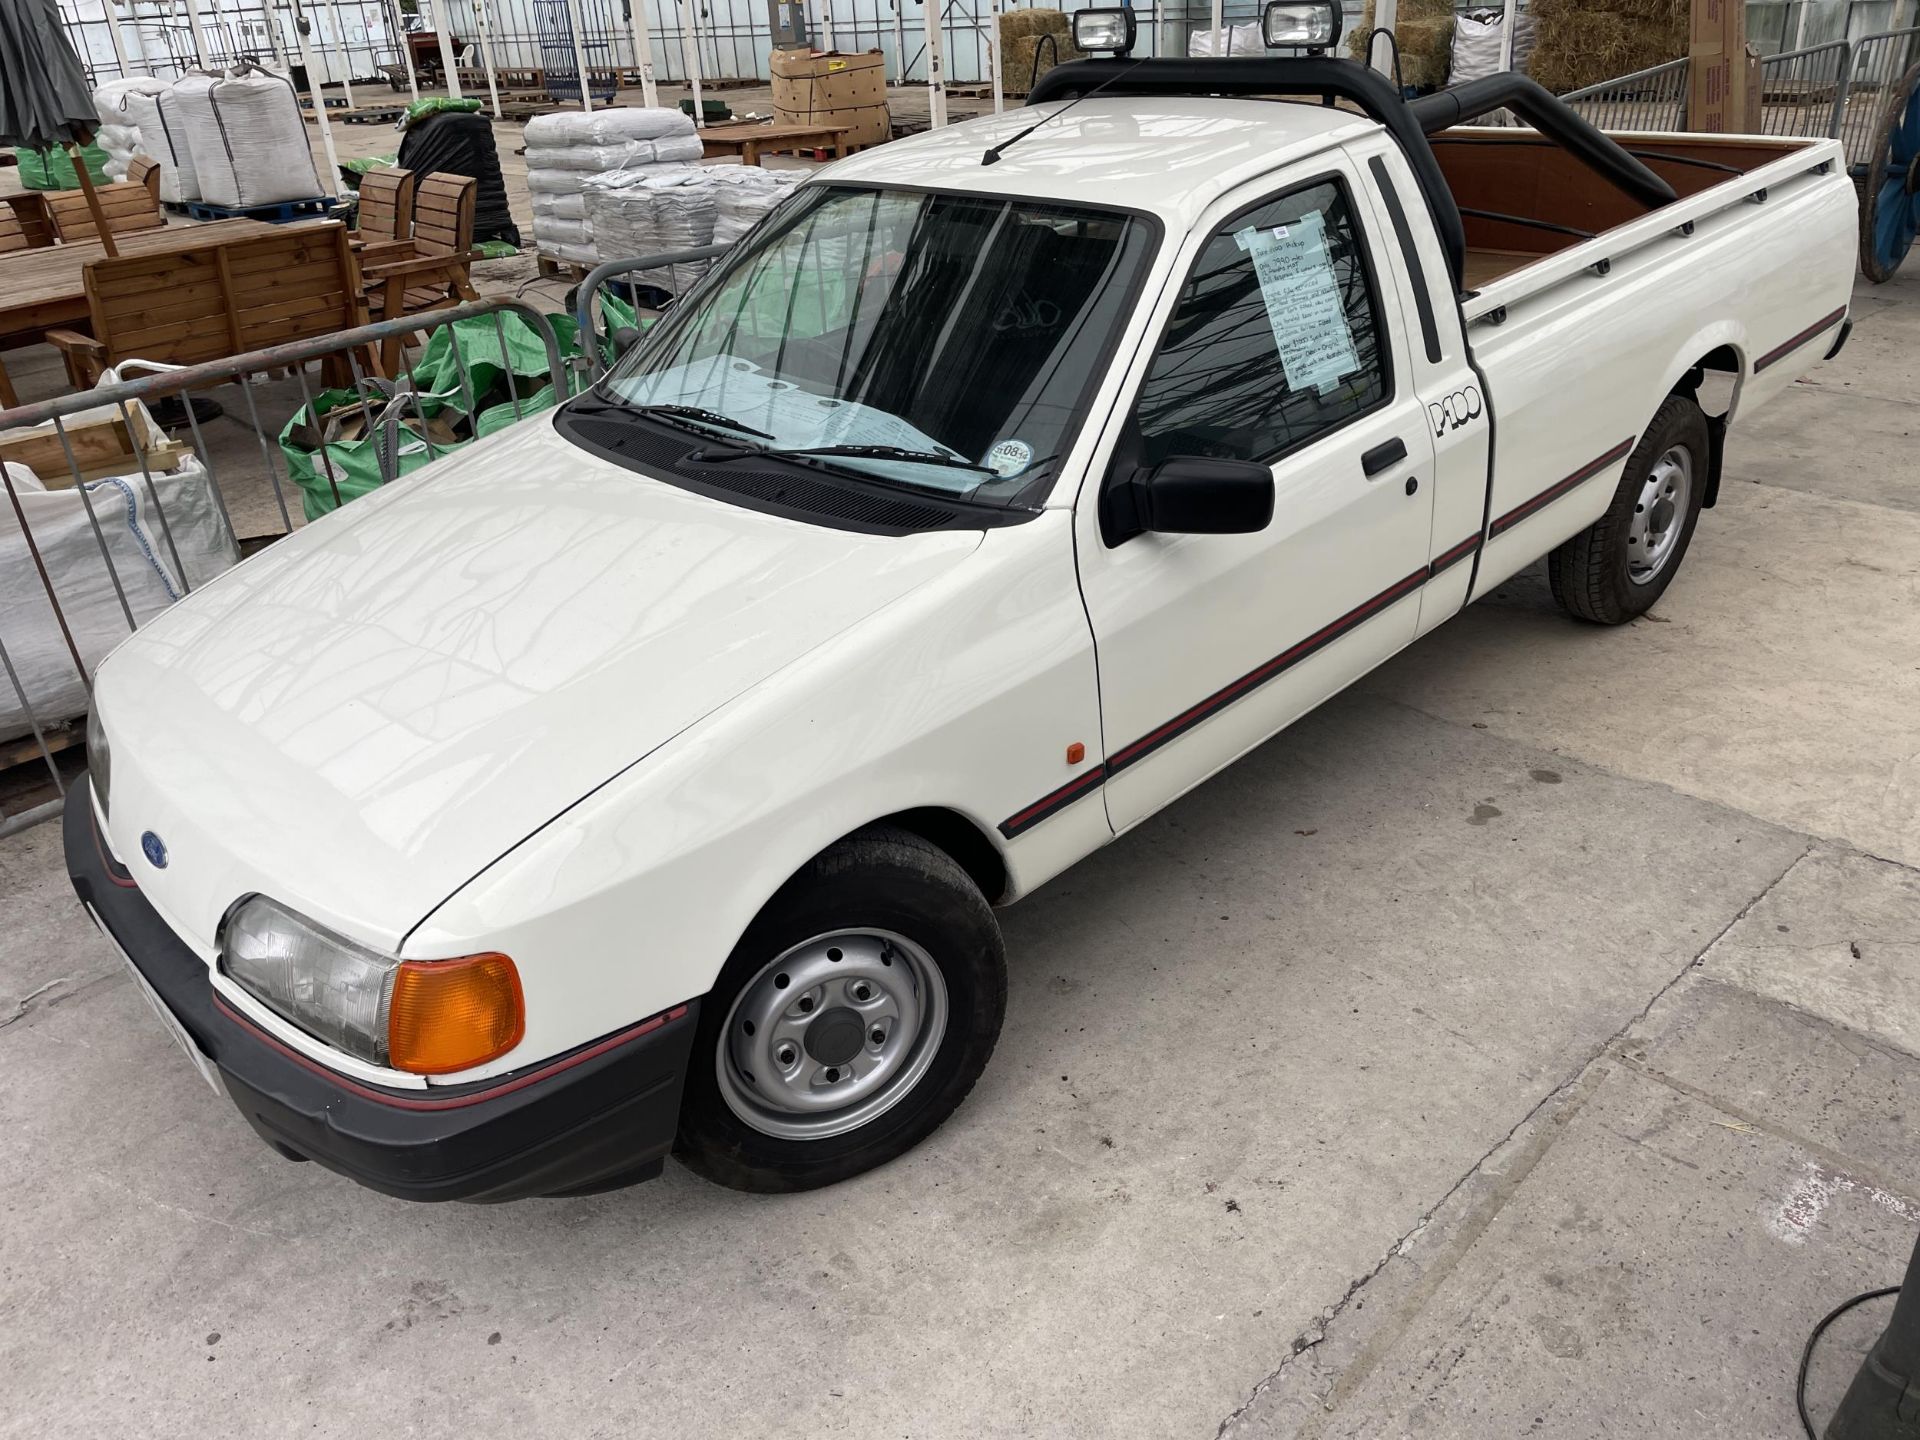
1650, 99
1804, 92
158, 519
1878, 63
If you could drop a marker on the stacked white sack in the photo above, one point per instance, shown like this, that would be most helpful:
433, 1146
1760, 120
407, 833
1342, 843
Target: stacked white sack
150, 107
118, 133
743, 193
564, 150
644, 212
248, 135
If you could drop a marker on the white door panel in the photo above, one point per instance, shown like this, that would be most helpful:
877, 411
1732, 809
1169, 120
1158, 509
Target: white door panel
1209, 643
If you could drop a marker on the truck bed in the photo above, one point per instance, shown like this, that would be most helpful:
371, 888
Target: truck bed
1524, 199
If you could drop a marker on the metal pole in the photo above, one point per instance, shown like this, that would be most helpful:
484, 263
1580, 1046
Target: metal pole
995, 61
119, 45
272, 27
643, 52
1220, 45
899, 44
406, 54
1510, 19
340, 48
1380, 57
447, 59
936, 70
826, 22
486, 53
319, 100
199, 35
580, 55
690, 57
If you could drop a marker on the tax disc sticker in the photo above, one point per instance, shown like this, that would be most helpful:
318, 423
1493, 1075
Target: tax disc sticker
1009, 458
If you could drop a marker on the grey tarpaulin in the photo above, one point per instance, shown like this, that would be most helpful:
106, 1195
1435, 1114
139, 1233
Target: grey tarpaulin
44, 96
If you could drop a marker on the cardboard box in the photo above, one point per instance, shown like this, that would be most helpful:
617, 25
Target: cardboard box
1717, 77
825, 87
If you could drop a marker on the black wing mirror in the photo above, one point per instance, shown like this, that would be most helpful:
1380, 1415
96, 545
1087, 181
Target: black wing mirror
1190, 495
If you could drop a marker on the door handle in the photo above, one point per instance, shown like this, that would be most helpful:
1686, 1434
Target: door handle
1390, 452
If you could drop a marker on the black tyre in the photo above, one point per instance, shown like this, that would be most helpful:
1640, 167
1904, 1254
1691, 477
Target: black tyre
850, 1021
1621, 564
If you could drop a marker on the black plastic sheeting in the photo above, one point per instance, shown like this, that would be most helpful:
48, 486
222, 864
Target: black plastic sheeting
457, 144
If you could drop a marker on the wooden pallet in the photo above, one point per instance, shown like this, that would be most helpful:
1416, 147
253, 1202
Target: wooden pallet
360, 114
25, 751
278, 213
553, 265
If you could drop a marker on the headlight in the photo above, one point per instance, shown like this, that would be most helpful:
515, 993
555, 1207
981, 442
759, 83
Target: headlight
427, 1016
99, 758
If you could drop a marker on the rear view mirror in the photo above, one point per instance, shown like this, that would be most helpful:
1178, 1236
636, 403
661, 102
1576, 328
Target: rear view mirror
1190, 495
625, 338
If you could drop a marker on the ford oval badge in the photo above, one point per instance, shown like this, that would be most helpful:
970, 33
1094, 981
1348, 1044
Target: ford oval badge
155, 849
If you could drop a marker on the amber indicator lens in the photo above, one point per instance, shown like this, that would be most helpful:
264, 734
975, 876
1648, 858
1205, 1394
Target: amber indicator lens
449, 1015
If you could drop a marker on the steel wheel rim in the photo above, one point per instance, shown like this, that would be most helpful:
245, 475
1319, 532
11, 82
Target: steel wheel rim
831, 1034
1659, 515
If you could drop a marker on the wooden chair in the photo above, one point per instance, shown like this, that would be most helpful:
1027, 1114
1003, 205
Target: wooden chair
386, 208
432, 269
185, 307
128, 205
28, 212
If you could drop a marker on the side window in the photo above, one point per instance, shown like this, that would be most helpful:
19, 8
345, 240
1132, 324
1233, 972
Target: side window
1275, 340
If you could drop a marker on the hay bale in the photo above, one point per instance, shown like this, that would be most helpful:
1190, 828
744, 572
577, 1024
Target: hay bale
1575, 48
1020, 42
1424, 33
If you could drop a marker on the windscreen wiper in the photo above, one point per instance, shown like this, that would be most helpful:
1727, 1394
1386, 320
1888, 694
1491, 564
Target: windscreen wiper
693, 412
863, 452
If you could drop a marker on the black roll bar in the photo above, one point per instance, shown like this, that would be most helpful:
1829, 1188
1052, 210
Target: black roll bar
1408, 121
1547, 113
1307, 76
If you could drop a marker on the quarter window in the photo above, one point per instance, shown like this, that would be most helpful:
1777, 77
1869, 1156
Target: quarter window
1276, 338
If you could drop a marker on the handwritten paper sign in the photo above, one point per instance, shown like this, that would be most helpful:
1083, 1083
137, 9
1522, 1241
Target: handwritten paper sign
1303, 301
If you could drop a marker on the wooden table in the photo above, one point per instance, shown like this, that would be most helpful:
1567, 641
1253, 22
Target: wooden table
46, 289
750, 141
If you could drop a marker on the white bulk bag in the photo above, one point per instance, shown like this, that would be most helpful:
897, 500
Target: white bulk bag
606, 127
143, 555
248, 135
1477, 37
155, 113
1241, 40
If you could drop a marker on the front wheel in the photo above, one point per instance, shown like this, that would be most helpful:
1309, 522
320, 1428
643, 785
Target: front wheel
852, 1018
1621, 564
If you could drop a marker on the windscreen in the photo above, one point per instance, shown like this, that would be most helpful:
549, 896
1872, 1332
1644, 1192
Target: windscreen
938, 342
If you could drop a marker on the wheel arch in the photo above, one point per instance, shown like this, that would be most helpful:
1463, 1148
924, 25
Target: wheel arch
1713, 380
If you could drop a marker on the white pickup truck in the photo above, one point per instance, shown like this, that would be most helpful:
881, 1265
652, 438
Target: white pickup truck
644, 778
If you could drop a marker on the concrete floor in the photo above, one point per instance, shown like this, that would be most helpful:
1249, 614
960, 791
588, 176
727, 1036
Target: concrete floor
1525, 1044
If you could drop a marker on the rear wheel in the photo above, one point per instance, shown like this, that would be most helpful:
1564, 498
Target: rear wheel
1890, 188
852, 1018
1620, 565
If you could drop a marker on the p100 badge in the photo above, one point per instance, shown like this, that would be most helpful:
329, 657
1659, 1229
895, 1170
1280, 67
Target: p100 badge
1009, 458
1457, 409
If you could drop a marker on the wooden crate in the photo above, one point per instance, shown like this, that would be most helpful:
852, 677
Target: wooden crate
102, 446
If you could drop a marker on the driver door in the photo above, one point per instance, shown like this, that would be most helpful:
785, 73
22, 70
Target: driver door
1278, 347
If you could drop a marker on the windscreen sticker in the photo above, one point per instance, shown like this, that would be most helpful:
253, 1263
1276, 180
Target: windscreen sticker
1303, 301
1009, 458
